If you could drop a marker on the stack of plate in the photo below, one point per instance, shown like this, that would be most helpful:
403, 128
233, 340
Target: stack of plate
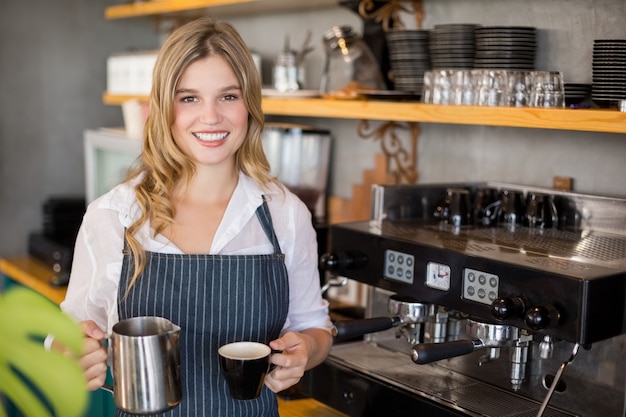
609, 70
452, 46
506, 47
408, 58
576, 93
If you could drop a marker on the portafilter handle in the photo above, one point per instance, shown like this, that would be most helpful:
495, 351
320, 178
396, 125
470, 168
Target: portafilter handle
349, 329
424, 353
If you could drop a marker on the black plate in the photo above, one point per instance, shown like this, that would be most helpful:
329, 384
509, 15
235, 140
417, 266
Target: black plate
497, 46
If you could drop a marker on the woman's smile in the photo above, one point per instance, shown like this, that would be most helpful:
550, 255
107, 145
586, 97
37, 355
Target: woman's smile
210, 137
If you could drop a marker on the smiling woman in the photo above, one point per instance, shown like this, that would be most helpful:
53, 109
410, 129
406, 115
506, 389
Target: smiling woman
202, 234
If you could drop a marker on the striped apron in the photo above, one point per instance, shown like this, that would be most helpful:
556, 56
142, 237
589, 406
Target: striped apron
215, 299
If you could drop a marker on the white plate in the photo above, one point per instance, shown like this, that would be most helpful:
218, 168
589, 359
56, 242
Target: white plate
270, 92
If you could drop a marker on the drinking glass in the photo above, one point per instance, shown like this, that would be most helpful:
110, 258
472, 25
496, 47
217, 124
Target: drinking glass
492, 87
471, 89
442, 87
427, 87
462, 87
518, 88
547, 90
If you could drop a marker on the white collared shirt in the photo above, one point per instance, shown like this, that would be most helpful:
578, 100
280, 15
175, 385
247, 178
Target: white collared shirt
96, 270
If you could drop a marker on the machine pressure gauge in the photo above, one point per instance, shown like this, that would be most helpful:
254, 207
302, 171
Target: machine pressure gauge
438, 276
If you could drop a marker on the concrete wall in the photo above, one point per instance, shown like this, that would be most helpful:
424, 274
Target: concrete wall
52, 75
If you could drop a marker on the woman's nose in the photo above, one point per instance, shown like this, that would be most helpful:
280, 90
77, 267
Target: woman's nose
209, 113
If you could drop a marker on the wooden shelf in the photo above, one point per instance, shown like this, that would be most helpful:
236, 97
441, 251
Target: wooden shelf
217, 7
601, 120
586, 120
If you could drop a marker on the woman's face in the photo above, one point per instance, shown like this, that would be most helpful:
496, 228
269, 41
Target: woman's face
210, 114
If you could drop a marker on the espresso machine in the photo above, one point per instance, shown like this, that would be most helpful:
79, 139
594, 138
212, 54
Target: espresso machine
484, 299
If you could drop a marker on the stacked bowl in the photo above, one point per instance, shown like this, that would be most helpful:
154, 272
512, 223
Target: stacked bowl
506, 47
452, 46
609, 70
408, 58
576, 93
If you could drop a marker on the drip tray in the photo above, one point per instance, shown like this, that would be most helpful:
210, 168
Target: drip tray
448, 388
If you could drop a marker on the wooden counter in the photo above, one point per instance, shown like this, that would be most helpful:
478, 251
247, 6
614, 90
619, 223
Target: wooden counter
36, 275
33, 274
306, 407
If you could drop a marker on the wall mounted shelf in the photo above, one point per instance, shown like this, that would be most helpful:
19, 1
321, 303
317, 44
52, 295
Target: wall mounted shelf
586, 120
217, 7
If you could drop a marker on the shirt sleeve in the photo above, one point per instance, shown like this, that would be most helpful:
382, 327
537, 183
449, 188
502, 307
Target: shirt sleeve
307, 308
96, 268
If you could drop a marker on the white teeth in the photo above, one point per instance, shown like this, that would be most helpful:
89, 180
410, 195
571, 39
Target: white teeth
210, 137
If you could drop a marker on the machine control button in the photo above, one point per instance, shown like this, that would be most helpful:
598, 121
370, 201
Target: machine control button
480, 286
399, 266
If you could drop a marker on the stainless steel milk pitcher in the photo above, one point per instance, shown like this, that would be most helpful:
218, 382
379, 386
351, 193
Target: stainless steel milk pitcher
145, 365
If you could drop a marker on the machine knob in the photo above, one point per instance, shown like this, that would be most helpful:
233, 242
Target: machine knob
333, 262
542, 317
507, 308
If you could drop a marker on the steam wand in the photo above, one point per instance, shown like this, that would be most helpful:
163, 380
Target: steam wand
557, 377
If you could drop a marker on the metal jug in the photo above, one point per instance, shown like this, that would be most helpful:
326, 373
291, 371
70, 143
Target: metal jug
145, 365
350, 64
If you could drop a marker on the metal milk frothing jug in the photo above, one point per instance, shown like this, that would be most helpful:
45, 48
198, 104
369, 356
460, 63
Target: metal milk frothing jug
145, 365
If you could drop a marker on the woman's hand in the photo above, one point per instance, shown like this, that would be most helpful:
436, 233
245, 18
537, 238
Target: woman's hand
300, 351
94, 356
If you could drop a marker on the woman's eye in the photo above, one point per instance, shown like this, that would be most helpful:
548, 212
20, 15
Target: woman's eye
188, 99
231, 97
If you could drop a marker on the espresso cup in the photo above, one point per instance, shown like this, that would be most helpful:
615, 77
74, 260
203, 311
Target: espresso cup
244, 366
456, 209
512, 209
541, 211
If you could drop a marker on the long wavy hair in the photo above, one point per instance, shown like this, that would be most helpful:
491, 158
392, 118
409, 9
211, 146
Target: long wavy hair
162, 166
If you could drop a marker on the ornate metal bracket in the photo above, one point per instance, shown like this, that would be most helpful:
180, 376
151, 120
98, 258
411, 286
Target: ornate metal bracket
403, 162
389, 13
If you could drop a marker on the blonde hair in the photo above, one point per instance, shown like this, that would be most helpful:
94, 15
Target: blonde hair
162, 166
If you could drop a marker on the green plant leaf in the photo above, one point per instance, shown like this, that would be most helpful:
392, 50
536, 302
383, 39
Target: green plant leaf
26, 318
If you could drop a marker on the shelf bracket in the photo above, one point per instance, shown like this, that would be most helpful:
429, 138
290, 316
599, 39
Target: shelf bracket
402, 161
389, 13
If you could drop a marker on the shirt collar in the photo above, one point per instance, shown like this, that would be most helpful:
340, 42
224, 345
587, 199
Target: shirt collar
246, 198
